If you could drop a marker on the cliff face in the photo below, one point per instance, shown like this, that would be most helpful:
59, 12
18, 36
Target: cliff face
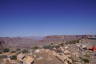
2, 44
18, 41
29, 42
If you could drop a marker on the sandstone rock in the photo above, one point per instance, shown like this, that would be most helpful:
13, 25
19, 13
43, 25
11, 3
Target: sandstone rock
28, 60
66, 52
37, 51
63, 58
20, 56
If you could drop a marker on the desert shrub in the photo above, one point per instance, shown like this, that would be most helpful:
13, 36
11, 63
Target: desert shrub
51, 43
48, 47
72, 42
57, 46
6, 50
61, 44
18, 49
35, 47
3, 56
14, 57
85, 60
24, 51
13, 51
87, 55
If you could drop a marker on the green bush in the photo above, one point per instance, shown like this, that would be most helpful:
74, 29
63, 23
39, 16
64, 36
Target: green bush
24, 51
72, 42
35, 47
13, 51
61, 44
48, 47
85, 60
18, 49
6, 50
3, 56
57, 46
14, 57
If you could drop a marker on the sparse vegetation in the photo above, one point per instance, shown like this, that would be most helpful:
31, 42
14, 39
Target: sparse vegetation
3, 56
13, 51
6, 50
18, 49
48, 47
14, 57
85, 60
35, 47
61, 44
72, 42
24, 51
71, 52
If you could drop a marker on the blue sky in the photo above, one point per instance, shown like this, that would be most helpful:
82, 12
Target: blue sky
47, 17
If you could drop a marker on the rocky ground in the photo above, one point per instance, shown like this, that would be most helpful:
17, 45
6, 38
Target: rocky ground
71, 53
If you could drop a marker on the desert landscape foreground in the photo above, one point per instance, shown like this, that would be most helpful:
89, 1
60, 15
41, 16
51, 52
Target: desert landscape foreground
57, 49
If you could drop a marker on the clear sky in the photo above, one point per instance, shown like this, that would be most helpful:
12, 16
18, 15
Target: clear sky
47, 17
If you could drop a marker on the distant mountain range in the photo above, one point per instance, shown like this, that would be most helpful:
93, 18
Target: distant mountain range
34, 41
